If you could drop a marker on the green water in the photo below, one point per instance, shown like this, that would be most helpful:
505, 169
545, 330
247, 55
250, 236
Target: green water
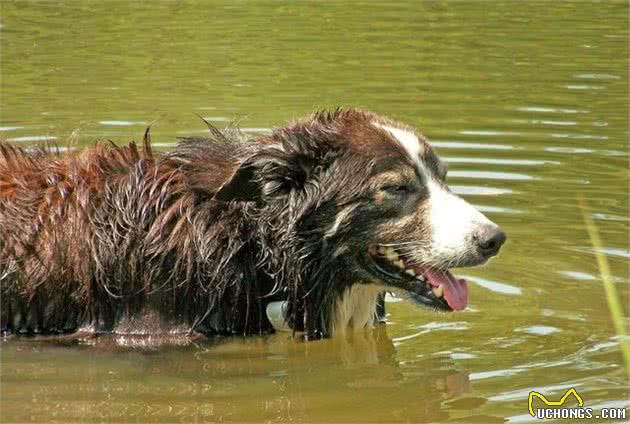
529, 104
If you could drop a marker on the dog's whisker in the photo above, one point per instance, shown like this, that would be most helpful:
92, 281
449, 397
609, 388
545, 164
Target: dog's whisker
396, 244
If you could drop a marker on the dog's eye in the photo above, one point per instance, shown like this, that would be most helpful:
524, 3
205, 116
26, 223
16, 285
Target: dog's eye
398, 189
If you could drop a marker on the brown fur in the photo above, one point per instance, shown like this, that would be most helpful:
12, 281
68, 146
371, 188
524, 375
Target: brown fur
206, 235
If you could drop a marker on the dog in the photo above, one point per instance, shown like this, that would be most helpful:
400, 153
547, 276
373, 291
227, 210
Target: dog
320, 217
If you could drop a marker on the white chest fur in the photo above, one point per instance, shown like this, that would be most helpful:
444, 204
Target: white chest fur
356, 308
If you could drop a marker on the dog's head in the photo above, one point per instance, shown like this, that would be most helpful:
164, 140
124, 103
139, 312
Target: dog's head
372, 193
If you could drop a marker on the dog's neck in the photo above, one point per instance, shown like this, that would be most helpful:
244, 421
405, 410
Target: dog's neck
355, 309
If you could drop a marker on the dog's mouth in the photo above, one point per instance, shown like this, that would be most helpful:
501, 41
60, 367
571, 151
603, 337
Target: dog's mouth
425, 284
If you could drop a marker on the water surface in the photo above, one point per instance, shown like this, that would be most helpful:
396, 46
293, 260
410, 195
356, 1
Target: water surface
527, 101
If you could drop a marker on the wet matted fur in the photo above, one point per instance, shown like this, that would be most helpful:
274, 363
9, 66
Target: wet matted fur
203, 238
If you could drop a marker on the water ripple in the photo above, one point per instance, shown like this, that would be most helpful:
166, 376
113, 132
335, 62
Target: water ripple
489, 175
578, 275
490, 133
465, 145
497, 209
598, 76
479, 191
489, 161
543, 109
492, 374
495, 286
545, 122
579, 136
538, 330
31, 138
521, 394
122, 123
584, 87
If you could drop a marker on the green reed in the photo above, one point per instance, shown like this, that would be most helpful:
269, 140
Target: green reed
612, 297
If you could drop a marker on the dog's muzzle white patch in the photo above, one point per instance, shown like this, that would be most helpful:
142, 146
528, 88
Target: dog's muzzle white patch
455, 224
457, 227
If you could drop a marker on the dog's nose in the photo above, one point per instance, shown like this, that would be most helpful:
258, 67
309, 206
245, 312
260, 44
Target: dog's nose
490, 238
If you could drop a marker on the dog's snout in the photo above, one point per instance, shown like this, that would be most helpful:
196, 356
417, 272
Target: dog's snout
490, 238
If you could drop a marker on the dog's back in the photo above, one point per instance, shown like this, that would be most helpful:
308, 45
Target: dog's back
103, 234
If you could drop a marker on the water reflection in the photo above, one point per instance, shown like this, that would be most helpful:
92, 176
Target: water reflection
119, 123
282, 377
31, 139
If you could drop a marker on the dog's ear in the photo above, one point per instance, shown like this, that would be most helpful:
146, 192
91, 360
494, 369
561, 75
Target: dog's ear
271, 173
241, 186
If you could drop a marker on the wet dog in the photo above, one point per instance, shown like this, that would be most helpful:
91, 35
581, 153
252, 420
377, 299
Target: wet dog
321, 216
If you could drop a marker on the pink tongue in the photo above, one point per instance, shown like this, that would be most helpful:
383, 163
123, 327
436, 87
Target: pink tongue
455, 291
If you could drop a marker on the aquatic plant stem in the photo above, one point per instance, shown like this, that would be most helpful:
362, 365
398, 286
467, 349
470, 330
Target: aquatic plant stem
612, 297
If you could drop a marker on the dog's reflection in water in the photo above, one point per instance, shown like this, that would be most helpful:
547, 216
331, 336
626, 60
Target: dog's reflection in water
316, 381
357, 377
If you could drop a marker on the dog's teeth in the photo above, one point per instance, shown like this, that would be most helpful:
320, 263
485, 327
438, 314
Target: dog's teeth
438, 291
391, 255
400, 264
410, 272
420, 278
381, 250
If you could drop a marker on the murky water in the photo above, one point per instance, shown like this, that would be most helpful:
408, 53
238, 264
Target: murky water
528, 102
